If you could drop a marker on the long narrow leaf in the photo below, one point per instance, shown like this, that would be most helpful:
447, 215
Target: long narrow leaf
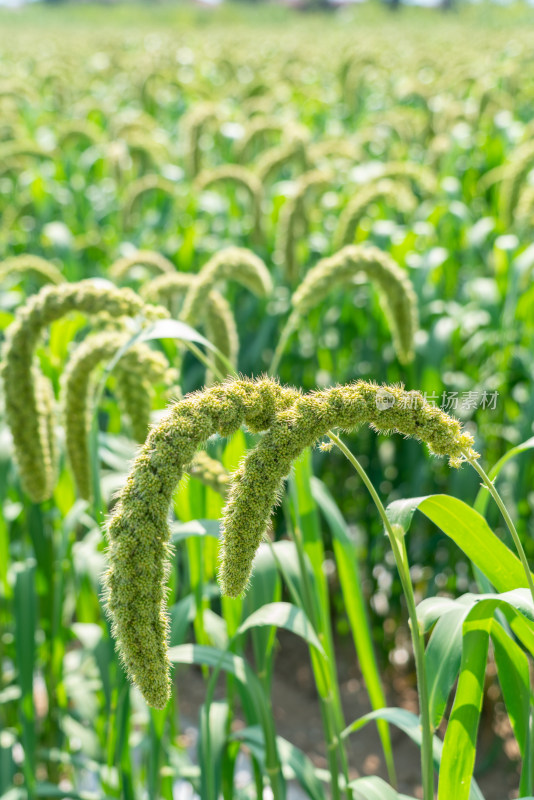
211, 745
471, 533
410, 724
294, 762
351, 585
287, 616
459, 747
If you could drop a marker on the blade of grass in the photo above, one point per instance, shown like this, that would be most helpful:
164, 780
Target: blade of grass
351, 586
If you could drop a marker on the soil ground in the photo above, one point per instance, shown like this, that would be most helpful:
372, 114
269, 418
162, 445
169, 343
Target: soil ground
298, 719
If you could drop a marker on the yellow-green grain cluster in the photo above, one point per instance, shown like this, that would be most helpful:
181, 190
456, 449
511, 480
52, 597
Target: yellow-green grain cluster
136, 371
138, 531
210, 472
256, 485
32, 450
122, 268
233, 263
394, 194
21, 265
292, 222
242, 178
396, 291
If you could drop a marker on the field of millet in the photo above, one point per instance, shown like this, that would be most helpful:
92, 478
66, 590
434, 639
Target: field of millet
266, 405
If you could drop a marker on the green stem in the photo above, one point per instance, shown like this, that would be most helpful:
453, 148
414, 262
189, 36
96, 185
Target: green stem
273, 767
324, 701
209, 364
335, 748
507, 518
418, 641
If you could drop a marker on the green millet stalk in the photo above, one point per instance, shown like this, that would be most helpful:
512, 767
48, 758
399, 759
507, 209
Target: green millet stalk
397, 295
513, 179
351, 216
210, 472
138, 531
256, 485
232, 263
240, 177
121, 268
136, 371
25, 263
293, 218
23, 416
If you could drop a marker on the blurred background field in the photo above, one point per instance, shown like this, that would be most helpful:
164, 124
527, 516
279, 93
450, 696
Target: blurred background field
111, 118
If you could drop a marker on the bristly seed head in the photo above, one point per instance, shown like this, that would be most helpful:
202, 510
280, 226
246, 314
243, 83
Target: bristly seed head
396, 291
138, 532
32, 450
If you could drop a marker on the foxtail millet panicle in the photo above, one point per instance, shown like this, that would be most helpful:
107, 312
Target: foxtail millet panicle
214, 312
258, 127
514, 174
420, 176
221, 330
293, 149
232, 263
19, 265
144, 185
398, 297
19, 370
292, 219
394, 193
210, 472
137, 373
241, 177
138, 531
162, 289
193, 124
121, 268
256, 485
138, 367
